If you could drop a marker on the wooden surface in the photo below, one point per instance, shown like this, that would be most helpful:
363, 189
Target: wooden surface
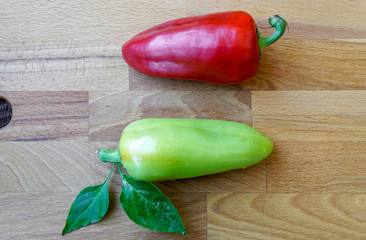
72, 93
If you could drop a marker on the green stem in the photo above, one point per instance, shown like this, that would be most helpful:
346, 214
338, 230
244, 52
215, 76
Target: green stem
110, 174
280, 24
106, 155
120, 170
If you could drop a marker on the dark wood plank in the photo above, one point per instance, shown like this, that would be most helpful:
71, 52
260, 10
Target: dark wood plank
46, 116
111, 112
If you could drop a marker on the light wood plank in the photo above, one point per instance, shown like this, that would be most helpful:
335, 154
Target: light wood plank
289, 64
47, 116
38, 216
249, 180
310, 115
307, 19
313, 167
111, 112
63, 66
286, 216
59, 49
40, 222
201, 7
141, 82
46, 166
115, 20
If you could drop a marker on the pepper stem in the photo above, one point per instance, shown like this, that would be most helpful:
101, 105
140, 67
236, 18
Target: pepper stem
106, 155
280, 24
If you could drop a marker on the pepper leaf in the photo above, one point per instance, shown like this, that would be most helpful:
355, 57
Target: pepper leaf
89, 207
145, 205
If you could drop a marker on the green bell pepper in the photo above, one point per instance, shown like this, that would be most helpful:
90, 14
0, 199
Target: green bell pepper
158, 149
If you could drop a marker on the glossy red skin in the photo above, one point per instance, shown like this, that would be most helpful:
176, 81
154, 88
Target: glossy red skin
220, 48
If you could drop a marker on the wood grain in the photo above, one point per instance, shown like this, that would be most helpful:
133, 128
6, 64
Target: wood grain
111, 112
291, 64
286, 216
46, 166
314, 167
141, 82
63, 66
288, 64
38, 216
80, 21
307, 19
40, 222
310, 115
249, 180
46, 116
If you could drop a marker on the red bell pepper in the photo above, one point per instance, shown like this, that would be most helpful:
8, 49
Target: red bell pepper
222, 48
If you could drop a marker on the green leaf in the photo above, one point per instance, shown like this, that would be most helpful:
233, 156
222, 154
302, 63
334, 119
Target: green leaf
89, 207
145, 205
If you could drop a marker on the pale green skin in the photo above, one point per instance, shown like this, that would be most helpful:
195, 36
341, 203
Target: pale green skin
157, 149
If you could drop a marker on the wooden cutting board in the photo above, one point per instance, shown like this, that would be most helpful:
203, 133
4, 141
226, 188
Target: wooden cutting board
72, 93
